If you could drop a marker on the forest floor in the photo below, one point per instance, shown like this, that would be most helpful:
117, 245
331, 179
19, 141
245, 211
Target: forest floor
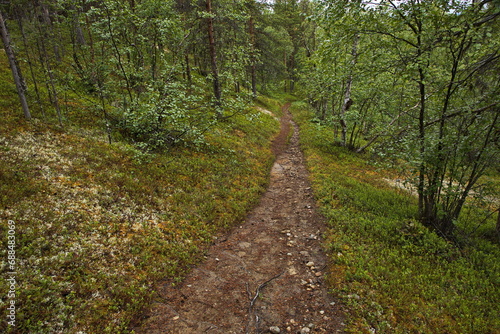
267, 274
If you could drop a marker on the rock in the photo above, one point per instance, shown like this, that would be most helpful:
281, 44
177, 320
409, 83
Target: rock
305, 330
310, 264
274, 329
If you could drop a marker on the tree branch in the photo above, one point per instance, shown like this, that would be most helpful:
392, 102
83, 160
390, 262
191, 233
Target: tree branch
458, 113
393, 36
361, 149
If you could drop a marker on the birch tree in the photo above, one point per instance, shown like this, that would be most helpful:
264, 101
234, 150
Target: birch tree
434, 67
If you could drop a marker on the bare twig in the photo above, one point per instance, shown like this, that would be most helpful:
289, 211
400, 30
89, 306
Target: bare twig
210, 328
254, 298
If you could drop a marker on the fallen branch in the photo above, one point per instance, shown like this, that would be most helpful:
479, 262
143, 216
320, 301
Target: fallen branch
256, 295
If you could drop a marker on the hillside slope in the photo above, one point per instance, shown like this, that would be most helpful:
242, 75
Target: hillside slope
394, 274
96, 224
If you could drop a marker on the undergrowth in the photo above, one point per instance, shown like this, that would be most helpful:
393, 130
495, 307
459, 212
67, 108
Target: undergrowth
98, 225
393, 274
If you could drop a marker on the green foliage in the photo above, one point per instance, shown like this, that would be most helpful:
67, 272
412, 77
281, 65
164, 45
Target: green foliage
144, 64
422, 84
415, 83
394, 274
164, 119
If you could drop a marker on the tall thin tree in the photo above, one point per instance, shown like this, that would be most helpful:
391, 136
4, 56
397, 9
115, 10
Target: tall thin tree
13, 66
213, 54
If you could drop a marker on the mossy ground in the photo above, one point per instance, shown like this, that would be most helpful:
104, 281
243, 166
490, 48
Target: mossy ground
393, 274
98, 224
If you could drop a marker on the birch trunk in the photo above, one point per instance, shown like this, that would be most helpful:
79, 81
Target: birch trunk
347, 95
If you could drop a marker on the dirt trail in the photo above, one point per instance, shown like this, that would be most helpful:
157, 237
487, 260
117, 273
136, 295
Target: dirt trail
267, 273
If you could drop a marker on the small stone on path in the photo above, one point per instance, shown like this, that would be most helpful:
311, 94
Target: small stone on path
274, 329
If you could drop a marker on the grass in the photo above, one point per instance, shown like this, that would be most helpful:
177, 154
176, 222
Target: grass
98, 225
393, 274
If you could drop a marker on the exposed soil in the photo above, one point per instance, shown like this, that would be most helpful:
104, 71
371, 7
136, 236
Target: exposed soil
267, 273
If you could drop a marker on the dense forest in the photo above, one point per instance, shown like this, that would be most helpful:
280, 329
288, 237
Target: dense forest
155, 95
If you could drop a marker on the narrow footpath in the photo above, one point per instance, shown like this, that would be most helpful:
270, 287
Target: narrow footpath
267, 275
